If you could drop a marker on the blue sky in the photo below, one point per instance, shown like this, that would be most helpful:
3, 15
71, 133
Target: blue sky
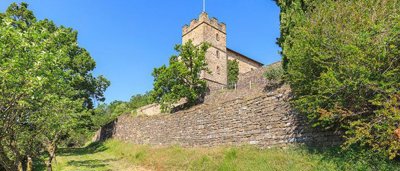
128, 38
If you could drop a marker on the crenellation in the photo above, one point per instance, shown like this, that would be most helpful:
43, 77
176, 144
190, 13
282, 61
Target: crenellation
194, 22
214, 22
204, 19
184, 28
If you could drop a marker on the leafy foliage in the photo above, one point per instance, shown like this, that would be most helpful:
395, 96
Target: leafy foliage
274, 73
105, 113
181, 79
233, 73
140, 100
342, 59
46, 86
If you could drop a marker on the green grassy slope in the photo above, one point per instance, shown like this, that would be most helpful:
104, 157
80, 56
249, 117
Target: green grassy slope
115, 155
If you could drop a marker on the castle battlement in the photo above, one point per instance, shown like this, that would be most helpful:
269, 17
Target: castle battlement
210, 30
203, 18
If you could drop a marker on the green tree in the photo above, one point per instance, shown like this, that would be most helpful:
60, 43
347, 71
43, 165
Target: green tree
181, 79
140, 100
342, 60
46, 86
105, 113
233, 73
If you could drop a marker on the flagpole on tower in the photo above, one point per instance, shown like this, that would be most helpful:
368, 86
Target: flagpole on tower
204, 5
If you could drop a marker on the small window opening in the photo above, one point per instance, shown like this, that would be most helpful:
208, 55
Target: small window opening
217, 37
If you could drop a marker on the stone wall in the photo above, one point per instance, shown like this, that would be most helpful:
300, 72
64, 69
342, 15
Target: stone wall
265, 119
214, 86
150, 110
255, 79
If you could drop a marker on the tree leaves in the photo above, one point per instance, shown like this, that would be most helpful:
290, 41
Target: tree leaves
233, 73
46, 85
182, 78
342, 61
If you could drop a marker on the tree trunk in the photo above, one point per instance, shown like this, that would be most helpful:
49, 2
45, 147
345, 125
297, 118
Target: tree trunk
20, 168
48, 166
29, 164
49, 163
51, 149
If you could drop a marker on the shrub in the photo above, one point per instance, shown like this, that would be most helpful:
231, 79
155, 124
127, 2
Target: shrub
274, 74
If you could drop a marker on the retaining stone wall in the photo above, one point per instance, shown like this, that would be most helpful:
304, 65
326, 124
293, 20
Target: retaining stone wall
264, 120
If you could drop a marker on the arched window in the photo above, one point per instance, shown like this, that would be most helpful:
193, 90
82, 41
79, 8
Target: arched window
217, 53
218, 70
217, 36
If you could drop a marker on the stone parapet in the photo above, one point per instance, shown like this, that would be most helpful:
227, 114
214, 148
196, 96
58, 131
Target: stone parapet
203, 18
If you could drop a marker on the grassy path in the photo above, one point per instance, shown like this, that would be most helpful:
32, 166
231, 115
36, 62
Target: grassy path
92, 158
115, 155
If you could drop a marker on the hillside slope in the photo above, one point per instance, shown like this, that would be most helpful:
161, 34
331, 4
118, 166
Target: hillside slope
114, 155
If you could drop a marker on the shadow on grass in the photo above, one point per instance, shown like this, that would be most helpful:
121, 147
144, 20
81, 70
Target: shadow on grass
93, 148
354, 158
90, 163
90, 149
38, 164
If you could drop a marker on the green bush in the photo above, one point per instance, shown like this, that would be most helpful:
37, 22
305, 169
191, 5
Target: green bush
342, 60
105, 113
274, 74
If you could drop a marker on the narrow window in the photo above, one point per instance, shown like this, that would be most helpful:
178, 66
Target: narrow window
217, 54
217, 37
218, 70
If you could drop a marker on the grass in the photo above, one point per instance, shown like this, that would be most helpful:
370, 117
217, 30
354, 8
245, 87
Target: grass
115, 155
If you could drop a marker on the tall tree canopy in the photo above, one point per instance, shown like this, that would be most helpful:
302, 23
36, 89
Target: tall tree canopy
181, 79
342, 59
46, 85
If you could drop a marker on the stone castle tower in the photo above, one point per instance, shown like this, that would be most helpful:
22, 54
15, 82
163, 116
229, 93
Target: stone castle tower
205, 29
209, 30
